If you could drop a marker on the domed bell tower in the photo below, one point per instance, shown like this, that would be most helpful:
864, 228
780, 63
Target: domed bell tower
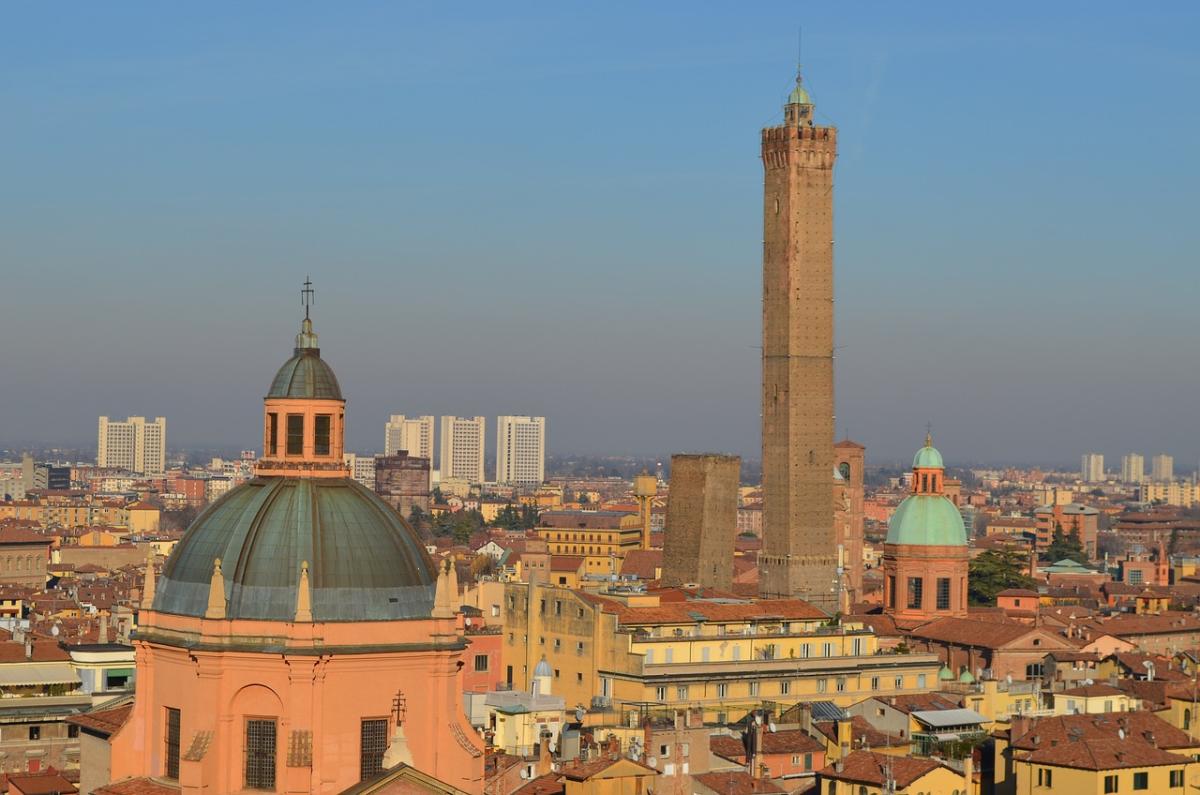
304, 413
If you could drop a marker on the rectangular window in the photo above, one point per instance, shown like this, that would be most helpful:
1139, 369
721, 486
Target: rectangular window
1045, 777
943, 593
172, 743
321, 427
891, 587
915, 587
481, 662
272, 434
681, 693
754, 688
295, 434
35, 732
660, 694
841, 684
1141, 780
1176, 778
874, 683
808, 761
821, 685
722, 690
260, 748
1110, 785
785, 687
374, 742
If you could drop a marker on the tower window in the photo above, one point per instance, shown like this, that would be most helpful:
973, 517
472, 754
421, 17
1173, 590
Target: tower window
915, 587
943, 593
260, 750
172, 743
925, 483
321, 428
295, 434
272, 433
374, 743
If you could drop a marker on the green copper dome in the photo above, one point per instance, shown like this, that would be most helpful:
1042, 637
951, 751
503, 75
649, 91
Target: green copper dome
966, 678
799, 96
365, 563
927, 520
928, 457
306, 375
945, 674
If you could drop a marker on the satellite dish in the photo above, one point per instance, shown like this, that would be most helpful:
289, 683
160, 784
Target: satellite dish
524, 773
54, 630
579, 713
771, 726
1008, 679
652, 761
1121, 733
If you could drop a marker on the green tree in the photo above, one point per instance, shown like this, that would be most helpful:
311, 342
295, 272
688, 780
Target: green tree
993, 571
1063, 546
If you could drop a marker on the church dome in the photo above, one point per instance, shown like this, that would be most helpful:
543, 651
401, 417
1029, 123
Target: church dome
928, 457
306, 375
365, 563
927, 520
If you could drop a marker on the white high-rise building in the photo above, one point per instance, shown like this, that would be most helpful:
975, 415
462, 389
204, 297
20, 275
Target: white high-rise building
462, 448
1133, 468
414, 434
1092, 468
135, 445
520, 450
1162, 468
362, 468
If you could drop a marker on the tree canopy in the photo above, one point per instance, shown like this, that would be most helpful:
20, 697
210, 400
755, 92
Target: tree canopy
1063, 546
993, 571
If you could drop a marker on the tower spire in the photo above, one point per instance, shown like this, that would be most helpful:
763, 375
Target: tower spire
307, 295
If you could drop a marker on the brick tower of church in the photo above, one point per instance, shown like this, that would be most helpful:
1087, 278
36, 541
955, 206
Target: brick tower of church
799, 557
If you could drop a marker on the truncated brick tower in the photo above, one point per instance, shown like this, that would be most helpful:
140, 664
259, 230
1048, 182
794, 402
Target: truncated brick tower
800, 556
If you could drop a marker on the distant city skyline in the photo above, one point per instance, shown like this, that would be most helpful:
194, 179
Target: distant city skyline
595, 258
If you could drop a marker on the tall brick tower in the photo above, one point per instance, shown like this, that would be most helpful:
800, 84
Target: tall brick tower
799, 557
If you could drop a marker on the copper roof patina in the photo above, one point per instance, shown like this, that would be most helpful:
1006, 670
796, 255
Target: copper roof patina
365, 563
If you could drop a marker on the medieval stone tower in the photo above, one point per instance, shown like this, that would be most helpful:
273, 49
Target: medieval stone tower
799, 557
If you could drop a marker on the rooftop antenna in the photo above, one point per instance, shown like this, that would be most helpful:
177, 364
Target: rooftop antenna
799, 51
306, 295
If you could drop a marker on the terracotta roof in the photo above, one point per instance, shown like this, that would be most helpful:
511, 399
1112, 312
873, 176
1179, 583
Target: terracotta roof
548, 784
1138, 727
43, 651
642, 562
582, 771
1106, 754
565, 562
915, 702
1165, 623
980, 634
785, 741
136, 786
1092, 691
686, 612
862, 733
736, 782
1017, 592
869, 767
15, 535
48, 783
103, 721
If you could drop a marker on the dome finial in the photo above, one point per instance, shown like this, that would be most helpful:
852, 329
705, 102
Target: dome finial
929, 434
307, 338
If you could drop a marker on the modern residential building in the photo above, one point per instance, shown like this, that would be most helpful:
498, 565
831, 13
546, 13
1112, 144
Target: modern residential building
413, 434
1180, 493
1162, 468
1091, 470
136, 445
520, 450
462, 444
362, 468
1133, 468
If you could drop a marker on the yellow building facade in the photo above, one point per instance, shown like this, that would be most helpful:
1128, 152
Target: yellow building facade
620, 650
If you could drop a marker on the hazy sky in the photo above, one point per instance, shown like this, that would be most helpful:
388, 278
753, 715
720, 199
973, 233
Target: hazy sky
555, 209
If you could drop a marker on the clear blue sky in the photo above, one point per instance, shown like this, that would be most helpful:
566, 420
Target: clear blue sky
555, 209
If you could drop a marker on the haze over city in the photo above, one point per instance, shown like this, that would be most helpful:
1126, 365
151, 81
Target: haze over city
555, 210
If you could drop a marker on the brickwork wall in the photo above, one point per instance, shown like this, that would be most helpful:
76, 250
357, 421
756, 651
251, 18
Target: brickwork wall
701, 520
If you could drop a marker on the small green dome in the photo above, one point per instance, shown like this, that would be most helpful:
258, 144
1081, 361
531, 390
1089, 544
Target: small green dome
946, 674
305, 375
927, 520
799, 96
928, 457
966, 678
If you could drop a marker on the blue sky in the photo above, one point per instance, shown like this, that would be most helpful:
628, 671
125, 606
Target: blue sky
555, 209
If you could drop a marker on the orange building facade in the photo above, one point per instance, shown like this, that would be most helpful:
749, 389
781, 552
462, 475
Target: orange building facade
299, 638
